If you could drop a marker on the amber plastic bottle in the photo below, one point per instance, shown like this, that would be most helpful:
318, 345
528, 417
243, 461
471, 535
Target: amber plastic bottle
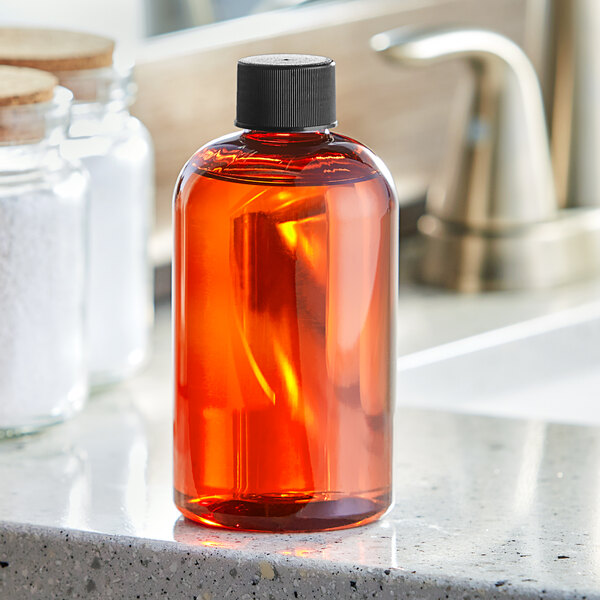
285, 285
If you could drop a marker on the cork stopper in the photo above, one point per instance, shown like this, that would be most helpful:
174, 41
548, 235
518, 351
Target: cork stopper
20, 86
54, 50
31, 104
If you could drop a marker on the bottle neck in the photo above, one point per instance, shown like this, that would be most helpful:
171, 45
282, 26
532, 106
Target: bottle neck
309, 137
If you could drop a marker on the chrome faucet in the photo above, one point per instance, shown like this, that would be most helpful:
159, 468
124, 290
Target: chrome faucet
493, 219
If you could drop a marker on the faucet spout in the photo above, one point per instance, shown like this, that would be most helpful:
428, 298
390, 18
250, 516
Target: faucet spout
498, 172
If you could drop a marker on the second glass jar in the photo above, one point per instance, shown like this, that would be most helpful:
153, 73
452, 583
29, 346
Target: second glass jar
117, 151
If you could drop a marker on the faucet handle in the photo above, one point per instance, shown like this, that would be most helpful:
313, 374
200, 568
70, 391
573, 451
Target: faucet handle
497, 173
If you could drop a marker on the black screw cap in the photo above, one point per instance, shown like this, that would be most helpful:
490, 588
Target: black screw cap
285, 92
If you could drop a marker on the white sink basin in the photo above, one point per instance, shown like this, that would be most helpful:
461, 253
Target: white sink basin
544, 367
531, 354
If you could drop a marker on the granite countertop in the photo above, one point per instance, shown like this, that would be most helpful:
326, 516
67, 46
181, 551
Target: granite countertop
484, 508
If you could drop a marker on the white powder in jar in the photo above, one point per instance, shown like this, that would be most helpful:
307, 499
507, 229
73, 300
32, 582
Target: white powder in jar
42, 290
117, 152
120, 291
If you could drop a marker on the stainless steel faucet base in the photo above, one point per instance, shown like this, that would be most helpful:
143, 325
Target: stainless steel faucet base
540, 255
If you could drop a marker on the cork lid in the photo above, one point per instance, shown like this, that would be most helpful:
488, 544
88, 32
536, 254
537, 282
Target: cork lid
19, 85
32, 105
54, 50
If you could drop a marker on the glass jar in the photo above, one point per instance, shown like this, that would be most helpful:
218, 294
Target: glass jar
117, 151
43, 212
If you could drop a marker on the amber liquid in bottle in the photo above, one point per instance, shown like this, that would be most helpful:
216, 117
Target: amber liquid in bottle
284, 303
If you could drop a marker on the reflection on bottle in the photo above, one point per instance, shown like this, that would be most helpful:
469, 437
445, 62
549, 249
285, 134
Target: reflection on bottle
313, 362
267, 349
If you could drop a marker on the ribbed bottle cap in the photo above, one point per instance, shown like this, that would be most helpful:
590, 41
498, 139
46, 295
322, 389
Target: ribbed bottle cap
285, 92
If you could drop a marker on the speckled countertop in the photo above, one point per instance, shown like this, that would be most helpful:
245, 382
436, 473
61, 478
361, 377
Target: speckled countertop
485, 508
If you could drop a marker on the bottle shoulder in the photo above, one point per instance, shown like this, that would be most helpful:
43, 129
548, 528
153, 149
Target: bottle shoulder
285, 159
